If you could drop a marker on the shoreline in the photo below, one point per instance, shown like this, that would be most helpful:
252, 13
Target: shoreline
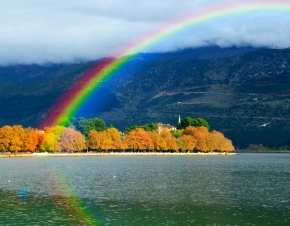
262, 151
115, 154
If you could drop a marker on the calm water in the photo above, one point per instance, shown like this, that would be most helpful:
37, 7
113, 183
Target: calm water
247, 189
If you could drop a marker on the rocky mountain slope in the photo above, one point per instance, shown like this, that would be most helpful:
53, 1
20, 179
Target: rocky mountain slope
238, 90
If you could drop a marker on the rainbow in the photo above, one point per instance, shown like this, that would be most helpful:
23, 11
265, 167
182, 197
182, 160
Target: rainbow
71, 205
70, 102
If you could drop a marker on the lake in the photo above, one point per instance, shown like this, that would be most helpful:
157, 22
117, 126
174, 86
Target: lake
246, 189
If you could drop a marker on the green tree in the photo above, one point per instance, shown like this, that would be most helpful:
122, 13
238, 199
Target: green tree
64, 121
150, 127
176, 133
198, 122
188, 121
131, 128
85, 125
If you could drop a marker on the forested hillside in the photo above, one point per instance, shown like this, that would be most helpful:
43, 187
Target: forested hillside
242, 92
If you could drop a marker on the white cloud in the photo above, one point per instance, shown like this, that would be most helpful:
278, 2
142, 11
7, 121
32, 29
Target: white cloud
40, 31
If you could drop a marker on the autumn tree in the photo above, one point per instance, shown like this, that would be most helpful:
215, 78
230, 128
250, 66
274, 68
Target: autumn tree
139, 139
169, 139
200, 135
186, 143
190, 130
115, 136
159, 143
218, 142
11, 138
202, 139
71, 140
182, 145
99, 140
51, 137
32, 139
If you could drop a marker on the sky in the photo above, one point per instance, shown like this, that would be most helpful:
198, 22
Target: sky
58, 31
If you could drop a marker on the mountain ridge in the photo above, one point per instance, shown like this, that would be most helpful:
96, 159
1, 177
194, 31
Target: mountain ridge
235, 89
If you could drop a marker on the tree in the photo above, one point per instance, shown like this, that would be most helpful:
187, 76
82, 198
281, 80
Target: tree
51, 137
150, 127
169, 139
139, 139
147, 127
228, 145
182, 145
115, 136
187, 121
186, 143
64, 121
176, 133
131, 128
99, 140
159, 143
190, 130
71, 140
99, 124
200, 135
11, 138
32, 139
218, 142
202, 139
197, 122
85, 125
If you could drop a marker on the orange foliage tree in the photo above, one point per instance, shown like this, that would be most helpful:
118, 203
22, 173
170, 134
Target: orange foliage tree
99, 140
200, 139
218, 142
186, 143
169, 139
158, 143
11, 138
140, 140
115, 136
32, 139
196, 138
57, 138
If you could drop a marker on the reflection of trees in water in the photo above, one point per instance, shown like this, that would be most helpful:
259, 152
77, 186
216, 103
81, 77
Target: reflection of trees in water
58, 210
35, 209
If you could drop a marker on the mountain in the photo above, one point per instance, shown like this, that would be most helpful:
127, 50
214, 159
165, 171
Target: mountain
237, 90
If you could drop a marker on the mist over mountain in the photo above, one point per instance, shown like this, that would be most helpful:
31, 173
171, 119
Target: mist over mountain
237, 90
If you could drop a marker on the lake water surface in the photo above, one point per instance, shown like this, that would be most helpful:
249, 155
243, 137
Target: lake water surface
246, 189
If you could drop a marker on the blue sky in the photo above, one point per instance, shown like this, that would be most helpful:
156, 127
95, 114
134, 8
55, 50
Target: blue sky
58, 31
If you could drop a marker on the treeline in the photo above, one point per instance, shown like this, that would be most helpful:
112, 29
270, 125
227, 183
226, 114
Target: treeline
75, 135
